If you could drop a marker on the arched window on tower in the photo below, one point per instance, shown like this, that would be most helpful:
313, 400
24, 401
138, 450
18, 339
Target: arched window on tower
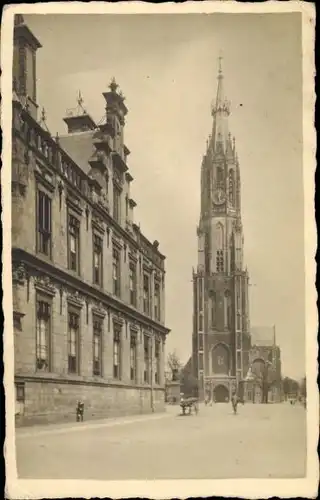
219, 247
213, 310
219, 176
227, 309
231, 187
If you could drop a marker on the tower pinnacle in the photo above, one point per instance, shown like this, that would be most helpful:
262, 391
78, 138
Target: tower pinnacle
220, 112
220, 64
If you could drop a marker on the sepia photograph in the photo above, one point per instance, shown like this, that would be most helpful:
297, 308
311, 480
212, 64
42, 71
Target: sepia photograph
157, 255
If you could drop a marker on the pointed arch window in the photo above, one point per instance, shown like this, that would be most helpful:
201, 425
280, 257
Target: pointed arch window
219, 236
219, 246
227, 309
213, 309
219, 176
231, 187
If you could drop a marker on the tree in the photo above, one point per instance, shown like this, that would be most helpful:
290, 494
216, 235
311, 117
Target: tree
189, 384
290, 387
303, 388
265, 377
174, 365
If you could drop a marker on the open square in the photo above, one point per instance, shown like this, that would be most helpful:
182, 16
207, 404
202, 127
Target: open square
262, 441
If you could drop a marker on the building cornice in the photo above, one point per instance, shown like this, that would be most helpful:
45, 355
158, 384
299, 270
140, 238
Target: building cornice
53, 378
38, 265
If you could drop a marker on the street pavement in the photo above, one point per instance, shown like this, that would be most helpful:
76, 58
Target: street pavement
262, 441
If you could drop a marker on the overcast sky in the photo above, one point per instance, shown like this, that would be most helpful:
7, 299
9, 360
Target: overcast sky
166, 66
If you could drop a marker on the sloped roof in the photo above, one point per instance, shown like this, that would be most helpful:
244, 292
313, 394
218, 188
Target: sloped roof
262, 336
79, 147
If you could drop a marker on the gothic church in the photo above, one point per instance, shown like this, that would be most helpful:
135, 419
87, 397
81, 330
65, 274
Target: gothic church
221, 338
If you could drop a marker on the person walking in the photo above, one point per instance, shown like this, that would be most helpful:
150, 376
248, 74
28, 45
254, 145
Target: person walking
234, 401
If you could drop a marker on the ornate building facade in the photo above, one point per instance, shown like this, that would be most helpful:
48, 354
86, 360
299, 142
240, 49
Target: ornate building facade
221, 329
88, 286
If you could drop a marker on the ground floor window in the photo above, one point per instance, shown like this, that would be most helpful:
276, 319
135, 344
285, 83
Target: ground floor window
133, 357
73, 341
117, 352
43, 335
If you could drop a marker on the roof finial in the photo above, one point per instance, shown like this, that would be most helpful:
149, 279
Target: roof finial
43, 120
122, 96
43, 115
80, 99
113, 85
80, 104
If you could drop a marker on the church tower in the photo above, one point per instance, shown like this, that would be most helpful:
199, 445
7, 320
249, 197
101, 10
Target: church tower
221, 330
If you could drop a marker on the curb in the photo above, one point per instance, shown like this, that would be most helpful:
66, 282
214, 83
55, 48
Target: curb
82, 426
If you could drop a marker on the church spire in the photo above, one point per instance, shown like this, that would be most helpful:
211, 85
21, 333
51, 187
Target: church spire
220, 112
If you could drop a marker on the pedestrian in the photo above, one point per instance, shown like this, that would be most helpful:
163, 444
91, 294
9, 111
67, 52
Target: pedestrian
234, 401
80, 411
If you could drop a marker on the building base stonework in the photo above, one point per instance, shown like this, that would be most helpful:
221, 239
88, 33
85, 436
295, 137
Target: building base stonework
54, 401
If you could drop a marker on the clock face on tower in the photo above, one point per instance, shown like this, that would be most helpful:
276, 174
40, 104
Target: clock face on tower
219, 196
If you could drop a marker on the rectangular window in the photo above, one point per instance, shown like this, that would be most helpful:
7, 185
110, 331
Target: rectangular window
74, 243
200, 342
157, 358
116, 203
20, 392
133, 284
133, 357
73, 341
44, 236
116, 352
200, 323
43, 335
146, 294
200, 361
97, 260
238, 297
157, 302
146, 349
220, 261
238, 321
200, 295
116, 272
97, 346
127, 206
239, 363
239, 343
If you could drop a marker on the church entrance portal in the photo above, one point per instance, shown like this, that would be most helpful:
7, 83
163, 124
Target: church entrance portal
221, 394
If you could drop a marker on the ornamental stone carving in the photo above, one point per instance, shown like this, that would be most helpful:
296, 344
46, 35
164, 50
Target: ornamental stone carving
117, 318
134, 326
45, 283
76, 297
98, 308
19, 273
103, 199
